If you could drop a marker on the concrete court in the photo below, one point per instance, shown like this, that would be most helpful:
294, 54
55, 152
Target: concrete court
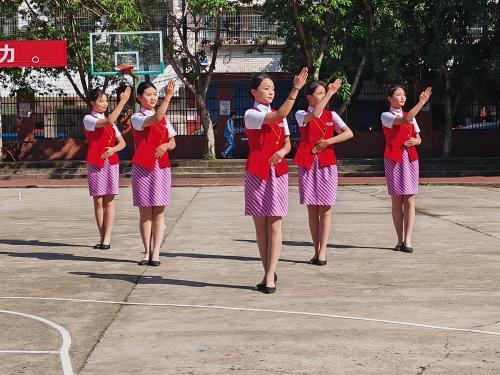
210, 259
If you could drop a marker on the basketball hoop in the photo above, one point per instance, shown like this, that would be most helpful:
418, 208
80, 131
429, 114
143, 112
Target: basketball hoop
125, 68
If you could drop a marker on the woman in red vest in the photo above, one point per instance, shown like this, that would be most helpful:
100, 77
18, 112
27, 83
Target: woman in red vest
103, 169
266, 171
151, 176
318, 176
402, 134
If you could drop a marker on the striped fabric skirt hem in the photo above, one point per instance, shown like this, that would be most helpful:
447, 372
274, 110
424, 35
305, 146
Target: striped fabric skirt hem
318, 186
402, 178
266, 197
151, 188
103, 181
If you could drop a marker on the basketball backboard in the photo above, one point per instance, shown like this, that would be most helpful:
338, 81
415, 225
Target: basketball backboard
141, 49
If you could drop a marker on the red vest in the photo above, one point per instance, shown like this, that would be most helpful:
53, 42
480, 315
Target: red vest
315, 130
263, 143
146, 143
98, 140
395, 138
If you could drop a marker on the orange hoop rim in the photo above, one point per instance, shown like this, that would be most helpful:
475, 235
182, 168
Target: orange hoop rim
125, 68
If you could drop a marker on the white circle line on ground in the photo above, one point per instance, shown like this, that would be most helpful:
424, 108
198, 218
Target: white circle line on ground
66, 338
214, 307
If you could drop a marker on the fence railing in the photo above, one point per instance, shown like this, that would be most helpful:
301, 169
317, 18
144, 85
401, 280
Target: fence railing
61, 117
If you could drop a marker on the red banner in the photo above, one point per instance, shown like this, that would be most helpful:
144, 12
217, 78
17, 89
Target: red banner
33, 53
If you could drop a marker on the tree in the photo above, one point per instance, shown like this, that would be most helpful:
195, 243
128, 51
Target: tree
337, 38
72, 21
195, 38
456, 47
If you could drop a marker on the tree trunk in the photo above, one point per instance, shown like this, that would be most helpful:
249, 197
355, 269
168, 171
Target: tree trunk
448, 111
354, 86
207, 126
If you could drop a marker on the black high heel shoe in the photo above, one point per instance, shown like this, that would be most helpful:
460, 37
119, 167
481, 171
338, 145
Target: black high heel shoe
105, 247
143, 262
97, 246
154, 263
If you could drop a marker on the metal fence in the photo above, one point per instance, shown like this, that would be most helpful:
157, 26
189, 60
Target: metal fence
62, 117
477, 116
243, 27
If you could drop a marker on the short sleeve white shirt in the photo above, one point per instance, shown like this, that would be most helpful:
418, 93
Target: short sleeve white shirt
337, 120
90, 122
254, 118
138, 119
389, 117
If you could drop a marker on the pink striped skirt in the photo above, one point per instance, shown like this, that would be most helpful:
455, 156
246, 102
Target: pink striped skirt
151, 188
103, 181
402, 178
318, 186
266, 197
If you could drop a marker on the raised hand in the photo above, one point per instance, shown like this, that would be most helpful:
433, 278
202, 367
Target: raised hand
125, 95
300, 80
335, 86
425, 95
169, 89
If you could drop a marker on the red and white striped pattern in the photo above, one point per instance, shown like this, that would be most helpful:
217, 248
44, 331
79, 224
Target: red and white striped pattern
266, 197
318, 186
103, 181
151, 188
402, 178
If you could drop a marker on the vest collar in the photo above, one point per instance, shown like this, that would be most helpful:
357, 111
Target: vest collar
262, 107
147, 112
397, 111
97, 114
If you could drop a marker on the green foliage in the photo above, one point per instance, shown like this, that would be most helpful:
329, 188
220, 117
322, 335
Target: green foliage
71, 21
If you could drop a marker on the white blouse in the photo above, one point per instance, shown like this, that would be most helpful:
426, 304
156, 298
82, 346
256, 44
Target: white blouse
389, 117
254, 119
138, 119
337, 120
90, 122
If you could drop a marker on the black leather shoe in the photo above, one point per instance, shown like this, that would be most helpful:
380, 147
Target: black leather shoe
269, 290
399, 247
405, 249
321, 262
261, 286
154, 263
105, 247
97, 246
143, 262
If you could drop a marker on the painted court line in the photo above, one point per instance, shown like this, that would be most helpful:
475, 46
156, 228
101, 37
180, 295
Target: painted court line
241, 309
467, 196
66, 340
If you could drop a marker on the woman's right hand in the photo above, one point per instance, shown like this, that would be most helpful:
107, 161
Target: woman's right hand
125, 95
334, 86
300, 80
425, 95
169, 90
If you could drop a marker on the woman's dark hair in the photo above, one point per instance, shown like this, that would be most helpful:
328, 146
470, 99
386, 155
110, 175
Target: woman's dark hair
392, 89
143, 86
256, 80
312, 86
96, 94
232, 114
